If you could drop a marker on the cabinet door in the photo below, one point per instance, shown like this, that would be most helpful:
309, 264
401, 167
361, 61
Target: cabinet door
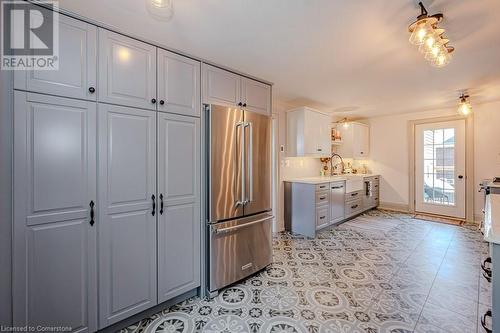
77, 64
324, 137
127, 71
178, 84
179, 216
127, 225
54, 263
256, 95
220, 87
361, 139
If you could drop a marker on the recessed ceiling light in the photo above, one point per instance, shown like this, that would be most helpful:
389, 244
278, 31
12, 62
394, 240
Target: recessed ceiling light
161, 9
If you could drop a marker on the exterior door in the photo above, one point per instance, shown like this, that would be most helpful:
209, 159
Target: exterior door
127, 219
127, 71
178, 84
77, 64
54, 264
221, 87
258, 163
179, 215
256, 95
440, 168
225, 166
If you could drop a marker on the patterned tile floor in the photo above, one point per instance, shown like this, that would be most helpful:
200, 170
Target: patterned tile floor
380, 272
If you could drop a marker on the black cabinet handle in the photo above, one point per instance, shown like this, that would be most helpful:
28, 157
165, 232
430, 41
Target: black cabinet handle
92, 213
354, 194
322, 218
354, 207
161, 204
483, 321
162, 102
486, 270
92, 90
153, 100
240, 104
244, 105
154, 205
337, 187
460, 177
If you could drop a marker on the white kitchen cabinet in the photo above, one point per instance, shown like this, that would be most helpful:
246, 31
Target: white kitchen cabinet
76, 76
179, 215
222, 87
308, 133
178, 84
54, 252
127, 212
256, 96
355, 140
127, 71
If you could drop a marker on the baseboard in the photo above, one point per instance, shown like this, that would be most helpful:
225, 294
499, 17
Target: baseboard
397, 207
149, 312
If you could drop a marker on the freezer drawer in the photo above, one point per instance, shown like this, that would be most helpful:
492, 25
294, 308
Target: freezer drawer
238, 249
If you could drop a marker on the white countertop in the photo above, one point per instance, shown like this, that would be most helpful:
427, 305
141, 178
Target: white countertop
492, 219
327, 179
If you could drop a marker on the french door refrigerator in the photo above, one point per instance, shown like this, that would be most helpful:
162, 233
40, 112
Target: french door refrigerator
239, 193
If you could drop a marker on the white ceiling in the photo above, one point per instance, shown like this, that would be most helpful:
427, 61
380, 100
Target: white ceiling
349, 57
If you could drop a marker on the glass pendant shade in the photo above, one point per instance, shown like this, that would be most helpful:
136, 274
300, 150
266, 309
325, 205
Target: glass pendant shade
464, 108
420, 32
160, 9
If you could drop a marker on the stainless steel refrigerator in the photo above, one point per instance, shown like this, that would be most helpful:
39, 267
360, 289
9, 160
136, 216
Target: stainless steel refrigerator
239, 194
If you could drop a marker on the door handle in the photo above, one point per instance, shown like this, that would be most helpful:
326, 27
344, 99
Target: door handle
241, 201
154, 205
161, 204
250, 162
92, 213
236, 227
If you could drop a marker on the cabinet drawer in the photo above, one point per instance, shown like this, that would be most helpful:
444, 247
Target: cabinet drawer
322, 198
353, 207
322, 216
322, 187
353, 196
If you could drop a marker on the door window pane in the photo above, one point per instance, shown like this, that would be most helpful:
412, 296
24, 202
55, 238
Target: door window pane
439, 166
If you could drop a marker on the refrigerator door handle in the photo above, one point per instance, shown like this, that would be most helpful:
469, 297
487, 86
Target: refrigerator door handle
235, 170
250, 162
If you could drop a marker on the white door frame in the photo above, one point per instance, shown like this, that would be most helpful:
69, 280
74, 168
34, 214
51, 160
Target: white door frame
469, 160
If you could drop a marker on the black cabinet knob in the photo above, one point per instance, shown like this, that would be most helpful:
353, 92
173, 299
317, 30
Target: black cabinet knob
153, 100
240, 104
460, 177
244, 105
92, 90
162, 102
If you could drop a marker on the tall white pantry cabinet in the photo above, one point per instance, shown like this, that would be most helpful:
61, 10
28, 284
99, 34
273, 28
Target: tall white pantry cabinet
107, 168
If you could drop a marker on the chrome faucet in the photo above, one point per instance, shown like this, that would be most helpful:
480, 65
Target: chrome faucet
335, 166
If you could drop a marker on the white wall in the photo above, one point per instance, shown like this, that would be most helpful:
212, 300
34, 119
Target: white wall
389, 150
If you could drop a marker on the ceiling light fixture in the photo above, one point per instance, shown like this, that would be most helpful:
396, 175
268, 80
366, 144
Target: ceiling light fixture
464, 106
161, 9
344, 122
430, 39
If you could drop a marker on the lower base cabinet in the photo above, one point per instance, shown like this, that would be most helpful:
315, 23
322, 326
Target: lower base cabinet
87, 261
126, 224
54, 242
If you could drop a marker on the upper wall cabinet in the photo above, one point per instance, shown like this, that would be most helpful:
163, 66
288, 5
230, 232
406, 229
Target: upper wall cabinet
220, 87
127, 71
256, 96
178, 84
308, 133
76, 77
225, 88
356, 140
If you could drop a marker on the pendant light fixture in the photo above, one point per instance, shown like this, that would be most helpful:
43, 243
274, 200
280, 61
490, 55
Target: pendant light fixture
464, 106
430, 39
160, 9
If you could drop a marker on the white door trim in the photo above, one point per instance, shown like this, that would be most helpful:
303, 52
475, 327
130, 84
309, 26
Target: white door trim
469, 160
